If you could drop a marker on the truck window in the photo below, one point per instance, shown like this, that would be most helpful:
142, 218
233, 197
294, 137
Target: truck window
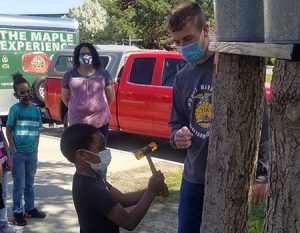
120, 74
65, 63
104, 61
142, 71
171, 67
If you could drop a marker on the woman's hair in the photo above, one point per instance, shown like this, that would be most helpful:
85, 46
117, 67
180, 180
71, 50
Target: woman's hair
95, 55
78, 136
184, 13
18, 79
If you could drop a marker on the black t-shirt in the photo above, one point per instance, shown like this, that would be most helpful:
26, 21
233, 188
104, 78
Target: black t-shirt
93, 201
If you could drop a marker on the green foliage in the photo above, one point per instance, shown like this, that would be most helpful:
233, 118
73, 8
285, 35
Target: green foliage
208, 8
92, 20
146, 20
113, 21
271, 61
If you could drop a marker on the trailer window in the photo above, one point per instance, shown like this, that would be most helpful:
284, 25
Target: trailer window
142, 71
171, 67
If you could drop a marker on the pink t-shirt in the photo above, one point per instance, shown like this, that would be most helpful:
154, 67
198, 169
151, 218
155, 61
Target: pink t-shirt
88, 102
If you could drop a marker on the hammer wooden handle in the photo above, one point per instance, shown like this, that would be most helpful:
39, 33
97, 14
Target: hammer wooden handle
151, 164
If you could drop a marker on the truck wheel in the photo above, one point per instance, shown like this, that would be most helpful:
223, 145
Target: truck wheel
38, 90
66, 123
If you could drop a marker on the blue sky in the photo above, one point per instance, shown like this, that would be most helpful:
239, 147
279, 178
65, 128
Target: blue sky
37, 6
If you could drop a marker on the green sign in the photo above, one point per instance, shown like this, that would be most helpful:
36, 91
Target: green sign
29, 52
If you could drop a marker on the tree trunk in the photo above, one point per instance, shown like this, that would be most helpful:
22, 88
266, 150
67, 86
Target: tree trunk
234, 137
283, 205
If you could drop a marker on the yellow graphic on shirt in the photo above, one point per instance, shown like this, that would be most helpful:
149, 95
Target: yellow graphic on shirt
203, 111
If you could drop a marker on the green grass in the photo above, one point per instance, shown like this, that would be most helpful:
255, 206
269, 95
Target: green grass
257, 218
173, 180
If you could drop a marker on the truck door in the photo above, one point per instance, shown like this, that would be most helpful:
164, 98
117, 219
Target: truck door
163, 94
135, 96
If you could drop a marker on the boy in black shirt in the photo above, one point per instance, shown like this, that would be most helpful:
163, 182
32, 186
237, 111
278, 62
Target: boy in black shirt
99, 205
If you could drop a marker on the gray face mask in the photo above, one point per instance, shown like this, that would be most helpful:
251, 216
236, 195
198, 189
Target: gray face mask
86, 60
105, 157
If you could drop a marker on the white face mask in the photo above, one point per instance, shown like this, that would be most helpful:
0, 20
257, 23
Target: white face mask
105, 157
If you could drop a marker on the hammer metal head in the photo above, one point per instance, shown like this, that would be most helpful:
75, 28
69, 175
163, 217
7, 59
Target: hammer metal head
146, 150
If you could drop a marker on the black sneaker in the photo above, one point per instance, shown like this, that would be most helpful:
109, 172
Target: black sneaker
35, 214
19, 220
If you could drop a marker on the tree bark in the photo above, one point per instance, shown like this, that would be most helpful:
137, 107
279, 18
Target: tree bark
283, 205
234, 137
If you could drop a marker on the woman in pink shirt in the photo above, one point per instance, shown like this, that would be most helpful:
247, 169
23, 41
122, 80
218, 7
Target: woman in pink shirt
88, 89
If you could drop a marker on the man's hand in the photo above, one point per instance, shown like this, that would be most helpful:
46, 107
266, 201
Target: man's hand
259, 193
183, 138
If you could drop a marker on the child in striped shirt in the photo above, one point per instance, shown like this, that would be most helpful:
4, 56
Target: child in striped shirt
23, 126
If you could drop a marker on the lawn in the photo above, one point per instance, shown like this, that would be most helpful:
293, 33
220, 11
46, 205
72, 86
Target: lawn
257, 219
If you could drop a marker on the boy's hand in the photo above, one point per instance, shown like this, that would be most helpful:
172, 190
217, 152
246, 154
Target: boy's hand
165, 192
156, 183
183, 138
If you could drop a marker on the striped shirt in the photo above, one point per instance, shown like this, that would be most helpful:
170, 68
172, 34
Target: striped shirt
26, 123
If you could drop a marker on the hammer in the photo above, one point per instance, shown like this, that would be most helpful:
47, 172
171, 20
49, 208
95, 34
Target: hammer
145, 152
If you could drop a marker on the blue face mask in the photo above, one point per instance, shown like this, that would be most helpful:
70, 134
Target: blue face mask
192, 52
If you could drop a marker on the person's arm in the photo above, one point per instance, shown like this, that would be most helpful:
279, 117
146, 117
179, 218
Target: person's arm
9, 135
1, 175
127, 199
8, 159
180, 134
109, 88
110, 93
261, 184
65, 95
40, 127
2, 205
37, 143
65, 88
130, 220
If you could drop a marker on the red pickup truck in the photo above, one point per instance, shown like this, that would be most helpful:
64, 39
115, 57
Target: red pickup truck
143, 87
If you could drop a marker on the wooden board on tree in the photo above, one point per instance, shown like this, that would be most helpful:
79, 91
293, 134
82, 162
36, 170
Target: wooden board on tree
282, 51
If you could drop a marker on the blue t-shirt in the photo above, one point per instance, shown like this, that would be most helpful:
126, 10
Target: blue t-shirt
2, 148
26, 123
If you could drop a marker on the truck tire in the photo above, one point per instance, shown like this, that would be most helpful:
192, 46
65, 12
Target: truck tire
38, 90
